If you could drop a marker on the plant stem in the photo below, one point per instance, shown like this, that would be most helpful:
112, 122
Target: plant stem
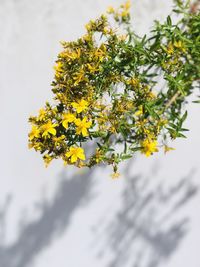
172, 100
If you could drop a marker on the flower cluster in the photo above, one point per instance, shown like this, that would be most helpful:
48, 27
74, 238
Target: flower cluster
106, 90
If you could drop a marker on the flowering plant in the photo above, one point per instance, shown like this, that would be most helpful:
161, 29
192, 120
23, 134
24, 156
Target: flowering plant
107, 89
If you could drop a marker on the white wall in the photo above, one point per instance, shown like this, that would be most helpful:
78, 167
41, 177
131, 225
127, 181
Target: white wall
67, 217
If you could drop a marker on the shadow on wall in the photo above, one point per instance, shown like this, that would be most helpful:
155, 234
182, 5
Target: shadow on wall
144, 232
37, 235
150, 225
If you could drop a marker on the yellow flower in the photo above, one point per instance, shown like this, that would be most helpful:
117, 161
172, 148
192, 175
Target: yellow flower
92, 68
127, 5
152, 95
112, 129
42, 114
59, 69
80, 106
98, 155
167, 148
89, 25
125, 9
47, 159
134, 82
82, 126
67, 118
110, 10
58, 140
140, 111
106, 30
71, 54
115, 175
124, 13
179, 44
170, 49
75, 54
35, 133
122, 37
100, 53
79, 77
75, 153
36, 145
87, 37
149, 147
48, 128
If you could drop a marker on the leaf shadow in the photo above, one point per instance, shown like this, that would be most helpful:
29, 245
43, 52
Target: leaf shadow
146, 230
151, 223
36, 235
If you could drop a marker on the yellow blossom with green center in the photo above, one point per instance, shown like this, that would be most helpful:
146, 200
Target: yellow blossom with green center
75, 153
35, 133
82, 126
68, 118
149, 147
80, 106
48, 128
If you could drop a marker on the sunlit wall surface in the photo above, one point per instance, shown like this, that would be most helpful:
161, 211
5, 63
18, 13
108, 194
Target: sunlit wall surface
58, 216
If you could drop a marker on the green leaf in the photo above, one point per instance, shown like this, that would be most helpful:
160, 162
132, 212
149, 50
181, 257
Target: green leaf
110, 149
99, 145
136, 148
196, 101
169, 21
184, 117
181, 135
151, 111
123, 157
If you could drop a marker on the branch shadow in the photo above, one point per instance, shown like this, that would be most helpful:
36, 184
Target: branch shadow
55, 217
150, 224
146, 230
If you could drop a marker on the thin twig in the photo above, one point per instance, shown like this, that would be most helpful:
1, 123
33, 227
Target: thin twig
172, 100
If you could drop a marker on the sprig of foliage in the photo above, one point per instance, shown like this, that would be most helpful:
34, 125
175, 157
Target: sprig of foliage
106, 90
